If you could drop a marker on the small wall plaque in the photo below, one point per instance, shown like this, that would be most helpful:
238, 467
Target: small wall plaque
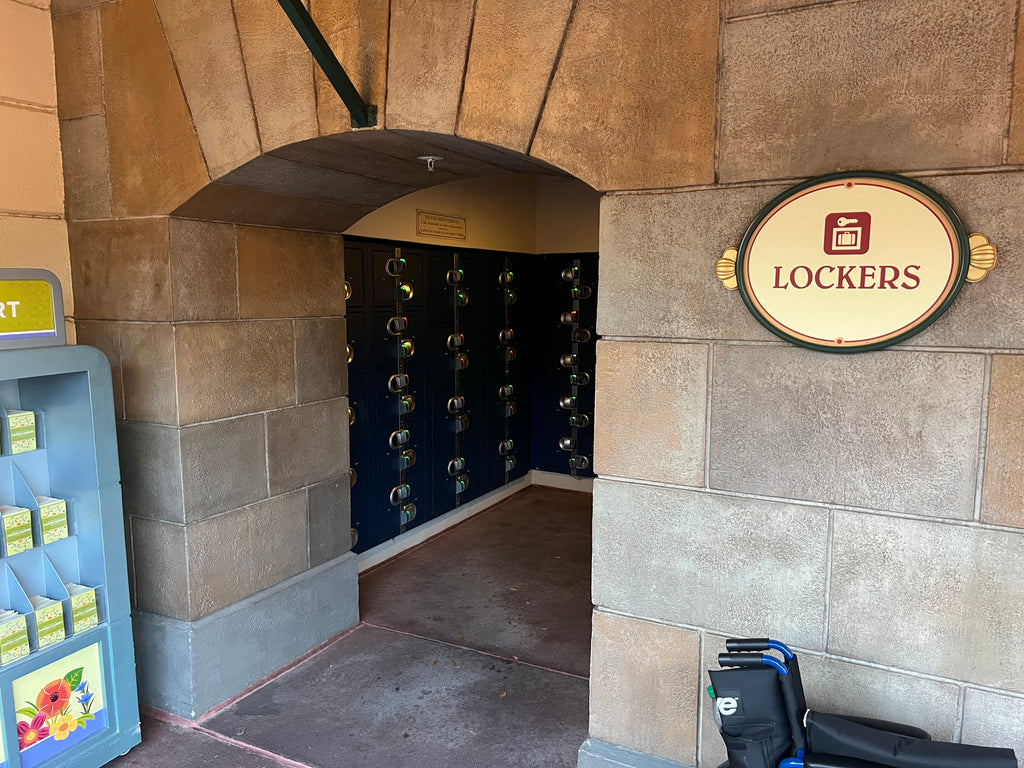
432, 224
854, 261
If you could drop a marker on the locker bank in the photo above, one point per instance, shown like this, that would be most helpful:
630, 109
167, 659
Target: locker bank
365, 272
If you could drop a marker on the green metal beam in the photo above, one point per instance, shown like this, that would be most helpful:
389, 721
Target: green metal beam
363, 115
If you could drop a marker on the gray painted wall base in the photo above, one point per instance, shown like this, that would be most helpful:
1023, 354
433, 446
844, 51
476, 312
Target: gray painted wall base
602, 754
187, 668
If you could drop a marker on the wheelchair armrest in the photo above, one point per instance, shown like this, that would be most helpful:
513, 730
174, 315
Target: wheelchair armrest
900, 729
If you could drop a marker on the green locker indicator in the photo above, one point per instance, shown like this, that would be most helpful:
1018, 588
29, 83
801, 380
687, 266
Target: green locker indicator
26, 310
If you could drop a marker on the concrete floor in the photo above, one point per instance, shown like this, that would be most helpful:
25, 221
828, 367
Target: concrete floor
473, 651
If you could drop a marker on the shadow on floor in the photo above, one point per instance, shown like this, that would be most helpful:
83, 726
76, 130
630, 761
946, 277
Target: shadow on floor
473, 652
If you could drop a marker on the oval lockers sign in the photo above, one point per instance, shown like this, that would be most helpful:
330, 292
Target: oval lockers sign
853, 261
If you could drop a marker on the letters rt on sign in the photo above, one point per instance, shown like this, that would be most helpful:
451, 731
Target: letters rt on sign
26, 310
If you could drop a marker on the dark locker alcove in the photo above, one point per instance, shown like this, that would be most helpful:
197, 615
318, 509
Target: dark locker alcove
511, 418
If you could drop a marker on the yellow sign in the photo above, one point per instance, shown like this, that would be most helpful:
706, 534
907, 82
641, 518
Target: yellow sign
854, 261
26, 310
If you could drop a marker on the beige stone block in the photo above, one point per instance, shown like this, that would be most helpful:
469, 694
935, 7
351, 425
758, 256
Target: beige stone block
231, 369
993, 720
891, 430
150, 456
1015, 145
307, 444
990, 313
120, 269
801, 93
650, 411
70, 6
632, 103
238, 205
280, 72
1003, 485
511, 57
642, 680
148, 372
204, 270
928, 597
31, 243
321, 359
161, 567
26, 54
30, 158
330, 520
426, 62
673, 291
740, 566
86, 167
208, 56
224, 465
106, 337
237, 554
356, 30
733, 8
844, 687
155, 160
77, 46
308, 270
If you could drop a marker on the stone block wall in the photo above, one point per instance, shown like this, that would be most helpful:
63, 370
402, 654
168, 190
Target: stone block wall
865, 508
228, 351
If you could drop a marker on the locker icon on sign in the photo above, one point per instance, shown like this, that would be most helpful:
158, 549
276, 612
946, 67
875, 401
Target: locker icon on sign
847, 233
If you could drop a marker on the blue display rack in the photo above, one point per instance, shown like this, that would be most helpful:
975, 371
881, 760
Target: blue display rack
73, 702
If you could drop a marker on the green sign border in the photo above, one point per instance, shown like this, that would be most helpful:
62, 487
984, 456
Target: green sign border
931, 194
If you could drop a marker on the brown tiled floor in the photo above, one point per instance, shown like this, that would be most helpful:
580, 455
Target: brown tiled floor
473, 652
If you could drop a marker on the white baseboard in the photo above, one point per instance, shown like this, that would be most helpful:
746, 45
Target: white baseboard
406, 541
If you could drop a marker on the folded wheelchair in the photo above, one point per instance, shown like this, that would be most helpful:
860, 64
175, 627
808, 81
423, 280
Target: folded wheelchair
762, 715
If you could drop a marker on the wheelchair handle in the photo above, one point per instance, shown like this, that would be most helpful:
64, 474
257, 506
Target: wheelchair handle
740, 644
751, 660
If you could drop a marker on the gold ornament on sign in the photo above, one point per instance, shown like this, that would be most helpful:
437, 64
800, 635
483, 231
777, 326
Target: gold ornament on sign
983, 257
725, 268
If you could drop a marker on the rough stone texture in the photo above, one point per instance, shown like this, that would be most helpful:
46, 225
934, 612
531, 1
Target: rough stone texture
330, 520
119, 269
833, 685
641, 673
308, 269
147, 372
161, 578
632, 103
988, 314
511, 57
833, 103
237, 554
650, 411
889, 430
106, 337
224, 465
204, 270
151, 480
76, 44
30, 157
734, 8
169, 745
155, 160
231, 369
992, 720
307, 444
272, 173
208, 56
356, 30
1003, 485
26, 77
959, 593
321, 359
239, 205
741, 566
1015, 144
426, 63
672, 291
280, 72
86, 167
